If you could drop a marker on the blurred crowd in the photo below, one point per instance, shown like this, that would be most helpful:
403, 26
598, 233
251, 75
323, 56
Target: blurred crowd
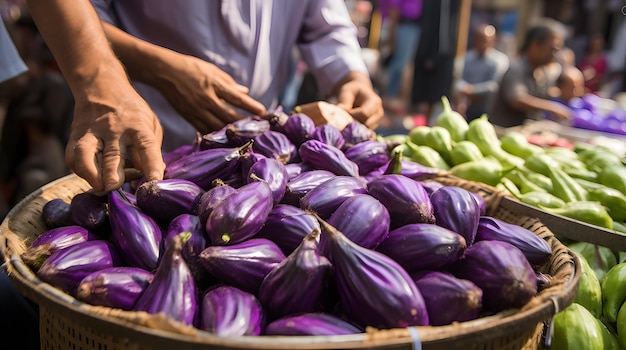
410, 48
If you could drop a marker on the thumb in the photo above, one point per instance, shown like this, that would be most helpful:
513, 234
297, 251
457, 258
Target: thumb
345, 100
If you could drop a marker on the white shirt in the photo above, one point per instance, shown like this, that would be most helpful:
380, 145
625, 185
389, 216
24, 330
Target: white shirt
11, 64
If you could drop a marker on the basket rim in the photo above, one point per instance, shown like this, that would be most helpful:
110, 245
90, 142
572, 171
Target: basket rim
48, 296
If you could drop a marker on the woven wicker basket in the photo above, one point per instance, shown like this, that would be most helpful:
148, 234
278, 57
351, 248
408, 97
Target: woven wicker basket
66, 323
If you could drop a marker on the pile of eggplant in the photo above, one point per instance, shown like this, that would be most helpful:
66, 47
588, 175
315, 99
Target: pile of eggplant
275, 226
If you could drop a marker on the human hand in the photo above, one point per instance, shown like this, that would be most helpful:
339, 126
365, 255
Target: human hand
109, 120
204, 94
356, 95
561, 112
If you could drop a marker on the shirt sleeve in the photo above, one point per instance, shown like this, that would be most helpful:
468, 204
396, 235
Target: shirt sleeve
11, 64
328, 43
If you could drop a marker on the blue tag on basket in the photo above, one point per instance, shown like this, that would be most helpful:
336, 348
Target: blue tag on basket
415, 335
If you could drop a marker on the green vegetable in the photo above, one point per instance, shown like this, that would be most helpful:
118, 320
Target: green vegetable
540, 162
619, 226
599, 157
589, 292
564, 186
440, 140
613, 291
395, 138
465, 151
575, 328
614, 176
486, 170
592, 213
541, 199
581, 173
427, 156
452, 121
621, 324
517, 144
417, 135
483, 134
508, 185
612, 199
601, 259
524, 185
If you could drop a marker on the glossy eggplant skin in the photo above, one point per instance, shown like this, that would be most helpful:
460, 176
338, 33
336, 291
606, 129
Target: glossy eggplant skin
327, 157
502, 272
243, 130
165, 199
214, 139
243, 265
54, 239
392, 299
406, 199
173, 290
89, 210
295, 169
356, 132
363, 219
116, 287
298, 128
311, 324
328, 196
57, 213
536, 250
212, 197
272, 172
448, 298
416, 171
241, 216
329, 135
67, 267
192, 246
457, 210
230, 312
299, 185
418, 247
368, 155
298, 283
287, 225
274, 145
136, 234
202, 167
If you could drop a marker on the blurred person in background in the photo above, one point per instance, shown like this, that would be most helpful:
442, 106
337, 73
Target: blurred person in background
570, 84
594, 64
404, 30
524, 88
483, 68
199, 73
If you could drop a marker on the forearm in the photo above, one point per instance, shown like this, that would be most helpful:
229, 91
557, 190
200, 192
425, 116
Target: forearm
85, 58
529, 103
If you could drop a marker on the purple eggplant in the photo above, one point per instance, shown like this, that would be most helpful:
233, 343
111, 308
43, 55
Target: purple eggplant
405, 198
241, 216
448, 298
314, 324
248, 160
328, 196
417, 171
193, 246
215, 139
457, 210
272, 172
373, 289
165, 199
287, 225
202, 167
66, 267
182, 150
327, 157
423, 247
431, 186
243, 130
242, 265
298, 283
482, 205
116, 287
227, 311
356, 132
136, 234
275, 145
502, 272
298, 128
329, 135
173, 290
299, 185
368, 155
536, 249
55, 239
89, 210
212, 197
295, 169
57, 213
363, 219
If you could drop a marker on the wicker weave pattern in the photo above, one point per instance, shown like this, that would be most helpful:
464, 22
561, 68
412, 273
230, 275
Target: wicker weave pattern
66, 323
